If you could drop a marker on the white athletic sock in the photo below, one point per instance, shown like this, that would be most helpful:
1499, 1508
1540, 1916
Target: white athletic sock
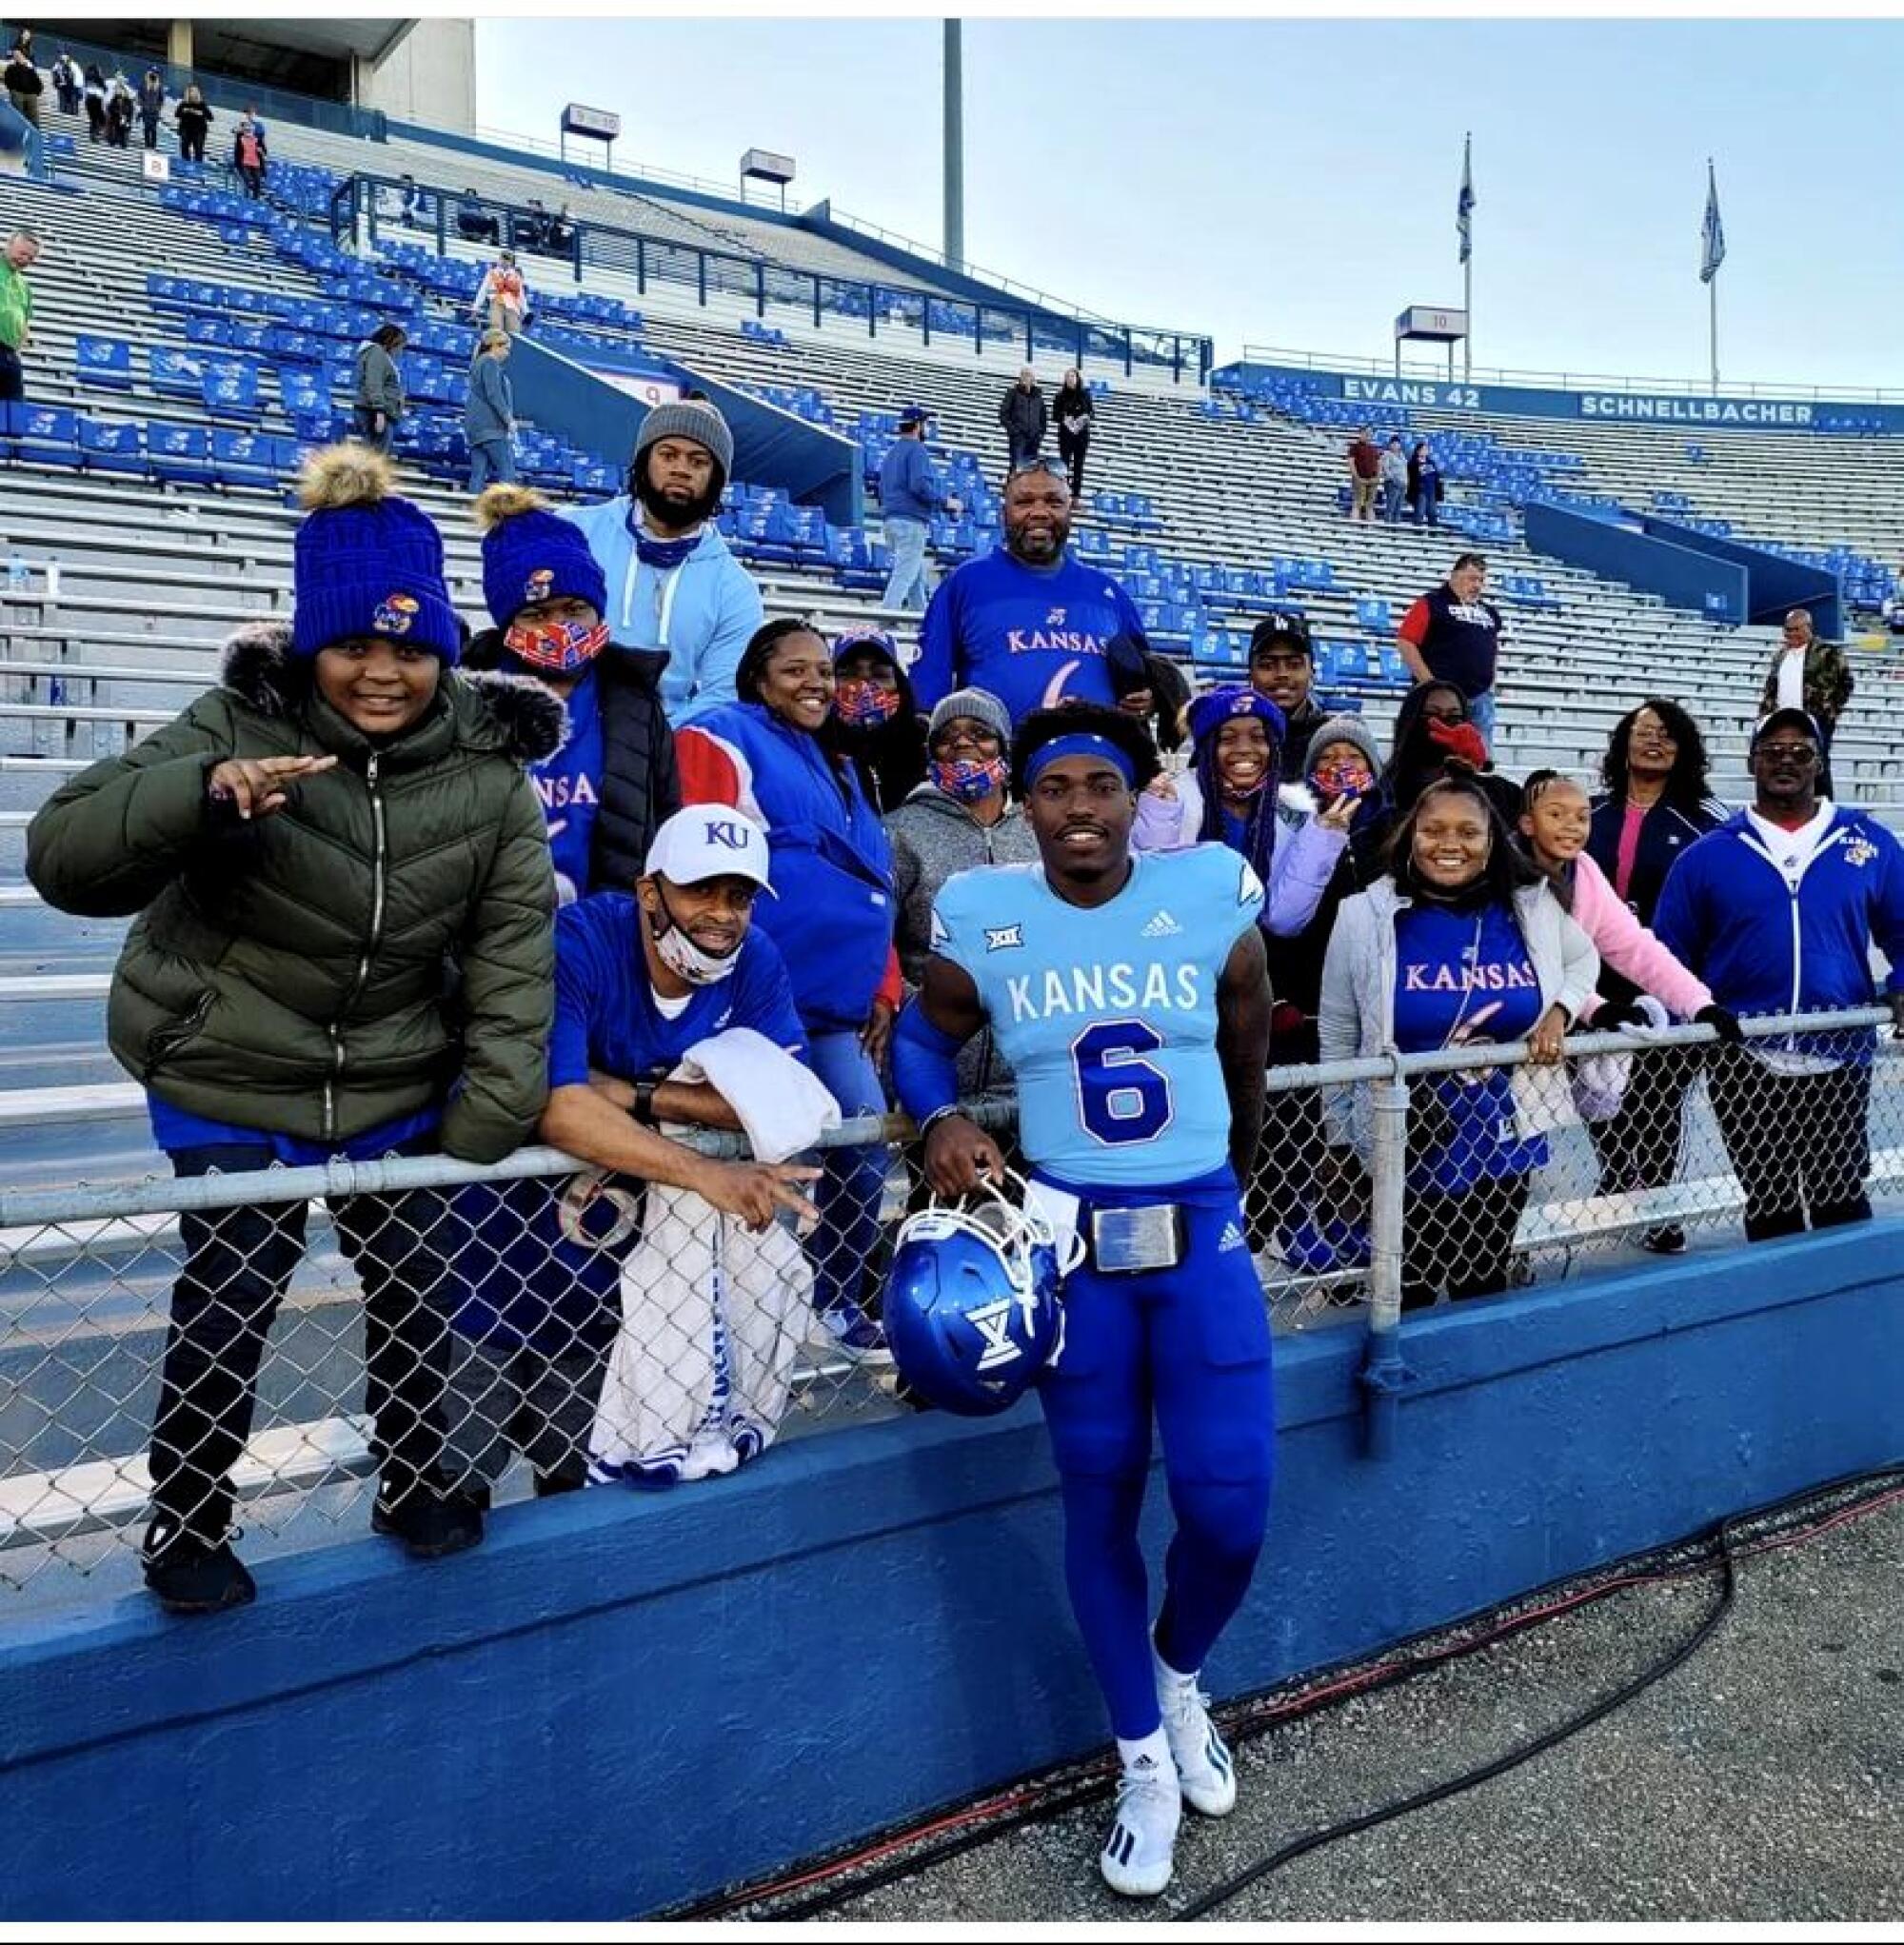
1156, 1745
1167, 1675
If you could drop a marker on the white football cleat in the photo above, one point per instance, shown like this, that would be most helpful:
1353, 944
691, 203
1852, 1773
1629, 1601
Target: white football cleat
1138, 1855
1203, 1763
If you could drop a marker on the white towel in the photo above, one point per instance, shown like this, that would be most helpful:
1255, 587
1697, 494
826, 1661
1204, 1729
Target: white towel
782, 1105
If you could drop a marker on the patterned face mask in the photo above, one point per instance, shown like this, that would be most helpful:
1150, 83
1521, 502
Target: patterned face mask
970, 780
560, 647
1345, 778
865, 702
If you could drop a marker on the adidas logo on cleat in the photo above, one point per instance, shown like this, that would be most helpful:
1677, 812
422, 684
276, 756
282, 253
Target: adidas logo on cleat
1162, 926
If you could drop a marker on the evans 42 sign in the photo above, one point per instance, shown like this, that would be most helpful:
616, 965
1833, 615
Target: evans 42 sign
1577, 404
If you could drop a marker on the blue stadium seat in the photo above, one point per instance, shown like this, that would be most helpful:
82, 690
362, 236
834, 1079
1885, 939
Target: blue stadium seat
112, 448
244, 459
182, 452
174, 374
44, 435
230, 389
104, 362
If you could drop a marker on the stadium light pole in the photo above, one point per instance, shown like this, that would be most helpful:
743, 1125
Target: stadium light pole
955, 145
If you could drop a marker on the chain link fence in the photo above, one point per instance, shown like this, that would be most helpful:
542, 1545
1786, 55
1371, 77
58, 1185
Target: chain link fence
259, 1347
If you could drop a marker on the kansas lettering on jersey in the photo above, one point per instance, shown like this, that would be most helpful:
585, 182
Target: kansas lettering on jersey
1033, 636
1108, 1016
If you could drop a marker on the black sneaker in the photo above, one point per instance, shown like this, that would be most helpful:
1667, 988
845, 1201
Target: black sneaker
190, 1575
431, 1523
1667, 1239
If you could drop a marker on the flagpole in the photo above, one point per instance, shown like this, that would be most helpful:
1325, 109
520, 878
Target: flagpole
1712, 289
1468, 258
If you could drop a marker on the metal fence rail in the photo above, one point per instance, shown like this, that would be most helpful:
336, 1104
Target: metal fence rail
518, 1326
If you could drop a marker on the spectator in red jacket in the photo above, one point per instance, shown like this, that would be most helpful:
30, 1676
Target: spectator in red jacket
1364, 474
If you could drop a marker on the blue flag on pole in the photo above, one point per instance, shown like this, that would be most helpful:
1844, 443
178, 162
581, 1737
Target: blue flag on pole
1712, 238
1464, 203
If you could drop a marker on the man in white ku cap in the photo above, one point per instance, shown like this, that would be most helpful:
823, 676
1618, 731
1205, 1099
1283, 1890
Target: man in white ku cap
641, 978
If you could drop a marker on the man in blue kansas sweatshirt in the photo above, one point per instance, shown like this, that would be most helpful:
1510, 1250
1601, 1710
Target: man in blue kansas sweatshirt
1776, 910
1028, 622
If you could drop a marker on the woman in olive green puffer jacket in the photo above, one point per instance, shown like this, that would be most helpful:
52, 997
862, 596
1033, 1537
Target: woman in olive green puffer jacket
345, 946
293, 971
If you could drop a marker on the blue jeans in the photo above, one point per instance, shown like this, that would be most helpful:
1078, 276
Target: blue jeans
1480, 713
848, 1194
1393, 493
493, 462
905, 584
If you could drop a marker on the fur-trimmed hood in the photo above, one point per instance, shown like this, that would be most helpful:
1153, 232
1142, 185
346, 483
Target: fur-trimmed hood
512, 713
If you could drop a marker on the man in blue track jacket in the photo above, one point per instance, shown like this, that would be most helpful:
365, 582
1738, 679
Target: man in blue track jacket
1776, 910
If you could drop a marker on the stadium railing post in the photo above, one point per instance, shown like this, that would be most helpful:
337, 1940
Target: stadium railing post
1383, 1372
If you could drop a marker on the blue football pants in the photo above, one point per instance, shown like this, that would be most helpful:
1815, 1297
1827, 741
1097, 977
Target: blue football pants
1191, 1346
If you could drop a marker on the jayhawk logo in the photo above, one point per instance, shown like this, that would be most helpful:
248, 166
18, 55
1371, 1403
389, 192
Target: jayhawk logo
539, 587
1860, 850
1243, 704
395, 613
1055, 619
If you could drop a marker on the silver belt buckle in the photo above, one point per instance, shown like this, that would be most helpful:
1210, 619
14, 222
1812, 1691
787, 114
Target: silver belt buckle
1126, 1240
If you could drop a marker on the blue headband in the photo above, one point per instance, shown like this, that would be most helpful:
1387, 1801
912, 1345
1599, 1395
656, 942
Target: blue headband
1077, 744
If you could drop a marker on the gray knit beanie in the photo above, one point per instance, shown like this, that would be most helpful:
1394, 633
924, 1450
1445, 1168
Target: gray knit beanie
981, 705
1350, 730
688, 419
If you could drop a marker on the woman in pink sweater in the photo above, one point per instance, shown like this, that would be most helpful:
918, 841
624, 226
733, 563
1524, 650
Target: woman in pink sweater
1554, 823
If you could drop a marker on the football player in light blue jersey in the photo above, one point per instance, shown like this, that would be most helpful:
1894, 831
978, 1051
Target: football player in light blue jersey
1128, 992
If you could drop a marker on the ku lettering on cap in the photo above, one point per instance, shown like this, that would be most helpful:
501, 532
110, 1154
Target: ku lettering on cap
709, 841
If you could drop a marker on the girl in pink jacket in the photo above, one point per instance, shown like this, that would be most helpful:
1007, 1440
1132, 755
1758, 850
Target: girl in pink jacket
1554, 825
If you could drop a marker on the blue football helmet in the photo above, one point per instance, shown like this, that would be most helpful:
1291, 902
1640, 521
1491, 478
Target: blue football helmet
972, 1310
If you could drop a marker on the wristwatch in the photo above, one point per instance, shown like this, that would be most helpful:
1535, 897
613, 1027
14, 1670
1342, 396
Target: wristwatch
645, 1100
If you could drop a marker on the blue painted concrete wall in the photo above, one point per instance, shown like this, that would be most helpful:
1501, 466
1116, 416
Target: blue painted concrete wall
555, 389
1774, 585
622, 1699
1676, 570
1690, 411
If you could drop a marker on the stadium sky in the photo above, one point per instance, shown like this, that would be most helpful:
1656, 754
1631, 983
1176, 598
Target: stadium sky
1292, 183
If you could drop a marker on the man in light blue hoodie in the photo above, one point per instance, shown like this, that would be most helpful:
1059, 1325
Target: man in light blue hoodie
672, 582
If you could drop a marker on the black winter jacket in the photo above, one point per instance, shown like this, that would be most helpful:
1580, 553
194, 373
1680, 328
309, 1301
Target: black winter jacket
641, 788
1665, 837
1024, 414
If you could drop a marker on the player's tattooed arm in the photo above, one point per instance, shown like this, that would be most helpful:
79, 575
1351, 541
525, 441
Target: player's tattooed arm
1242, 1045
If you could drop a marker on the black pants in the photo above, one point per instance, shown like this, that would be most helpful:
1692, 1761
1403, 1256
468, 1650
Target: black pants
238, 1262
150, 125
1072, 449
96, 119
1023, 450
1641, 1146
1459, 1243
192, 145
1797, 1142
13, 376
254, 182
